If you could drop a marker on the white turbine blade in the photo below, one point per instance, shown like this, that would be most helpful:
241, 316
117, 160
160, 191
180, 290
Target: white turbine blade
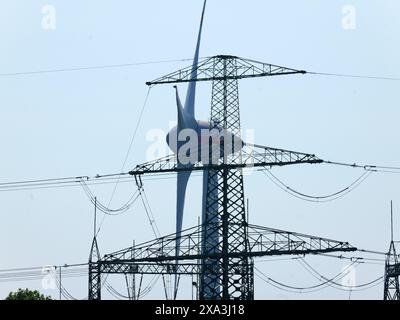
183, 178
182, 181
186, 120
181, 112
191, 92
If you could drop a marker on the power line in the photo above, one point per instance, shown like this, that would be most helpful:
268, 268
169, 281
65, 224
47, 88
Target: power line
327, 198
114, 292
373, 252
149, 213
66, 293
338, 285
308, 289
86, 68
143, 63
39, 273
111, 178
293, 289
361, 259
278, 259
43, 267
39, 183
106, 210
127, 154
57, 185
354, 76
327, 282
373, 168
369, 169
131, 144
93, 181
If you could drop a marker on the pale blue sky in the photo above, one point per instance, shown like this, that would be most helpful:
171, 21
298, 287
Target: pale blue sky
80, 123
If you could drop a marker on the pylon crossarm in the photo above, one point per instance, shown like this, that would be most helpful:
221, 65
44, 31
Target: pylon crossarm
267, 241
246, 68
250, 156
262, 242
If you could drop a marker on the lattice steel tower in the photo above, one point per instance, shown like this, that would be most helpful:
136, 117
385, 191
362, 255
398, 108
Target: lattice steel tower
225, 243
392, 269
224, 219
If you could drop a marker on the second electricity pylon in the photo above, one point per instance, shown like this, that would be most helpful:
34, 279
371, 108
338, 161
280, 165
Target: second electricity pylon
225, 266
392, 269
94, 275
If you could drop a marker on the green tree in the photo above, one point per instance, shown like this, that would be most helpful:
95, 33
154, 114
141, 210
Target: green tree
26, 294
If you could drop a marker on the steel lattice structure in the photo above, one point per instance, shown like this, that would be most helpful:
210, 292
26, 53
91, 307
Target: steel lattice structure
222, 249
262, 241
392, 274
392, 268
94, 272
158, 256
244, 68
250, 157
230, 274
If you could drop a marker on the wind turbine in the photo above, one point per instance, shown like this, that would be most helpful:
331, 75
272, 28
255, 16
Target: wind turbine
198, 146
186, 121
222, 250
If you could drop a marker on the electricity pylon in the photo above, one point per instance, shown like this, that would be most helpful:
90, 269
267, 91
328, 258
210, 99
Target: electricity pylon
225, 244
392, 269
94, 274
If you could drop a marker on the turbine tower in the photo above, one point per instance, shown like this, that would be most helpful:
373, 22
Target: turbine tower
220, 251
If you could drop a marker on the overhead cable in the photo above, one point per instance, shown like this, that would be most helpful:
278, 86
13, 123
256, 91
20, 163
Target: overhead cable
326, 198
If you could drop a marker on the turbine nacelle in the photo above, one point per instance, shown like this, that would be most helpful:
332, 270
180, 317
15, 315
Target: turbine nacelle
202, 141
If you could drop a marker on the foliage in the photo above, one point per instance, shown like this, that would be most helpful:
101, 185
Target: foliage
26, 294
